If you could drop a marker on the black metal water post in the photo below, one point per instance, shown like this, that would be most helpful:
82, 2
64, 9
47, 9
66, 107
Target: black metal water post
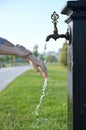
76, 13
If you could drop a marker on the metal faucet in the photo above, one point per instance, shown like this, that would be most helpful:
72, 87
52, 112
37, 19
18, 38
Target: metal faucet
55, 34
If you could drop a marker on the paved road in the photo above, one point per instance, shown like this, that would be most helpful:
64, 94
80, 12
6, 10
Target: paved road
9, 74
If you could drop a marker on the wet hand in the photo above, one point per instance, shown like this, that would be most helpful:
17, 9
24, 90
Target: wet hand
38, 65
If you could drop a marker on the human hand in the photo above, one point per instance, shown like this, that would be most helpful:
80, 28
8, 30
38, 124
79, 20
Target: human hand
21, 51
38, 65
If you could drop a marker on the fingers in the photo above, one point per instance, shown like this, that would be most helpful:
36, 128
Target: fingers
45, 75
39, 66
37, 69
44, 69
35, 66
41, 69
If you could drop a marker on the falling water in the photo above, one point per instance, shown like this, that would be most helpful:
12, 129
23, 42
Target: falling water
45, 53
42, 96
43, 88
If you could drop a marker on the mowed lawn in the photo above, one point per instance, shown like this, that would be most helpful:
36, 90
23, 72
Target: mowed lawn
19, 100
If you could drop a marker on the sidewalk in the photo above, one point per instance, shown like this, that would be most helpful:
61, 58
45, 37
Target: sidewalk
9, 74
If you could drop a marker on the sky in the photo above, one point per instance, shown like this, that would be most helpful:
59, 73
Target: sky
28, 22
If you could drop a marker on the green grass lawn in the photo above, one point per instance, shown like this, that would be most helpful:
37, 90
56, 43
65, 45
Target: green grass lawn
19, 100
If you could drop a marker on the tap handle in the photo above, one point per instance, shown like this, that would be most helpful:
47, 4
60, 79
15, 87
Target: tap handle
54, 17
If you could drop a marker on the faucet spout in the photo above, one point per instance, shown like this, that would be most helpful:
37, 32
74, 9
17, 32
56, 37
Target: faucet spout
56, 36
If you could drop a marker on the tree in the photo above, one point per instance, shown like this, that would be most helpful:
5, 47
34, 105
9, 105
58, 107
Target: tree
35, 50
63, 55
10, 59
1, 60
51, 59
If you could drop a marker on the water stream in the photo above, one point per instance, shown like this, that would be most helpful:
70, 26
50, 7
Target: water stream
42, 96
43, 88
